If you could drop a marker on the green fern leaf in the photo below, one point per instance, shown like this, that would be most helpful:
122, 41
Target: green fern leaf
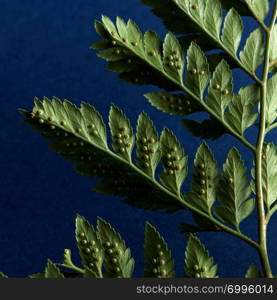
109, 26
52, 271
213, 17
232, 31
158, 260
148, 145
122, 133
138, 59
152, 44
135, 35
198, 263
122, 28
220, 89
118, 261
241, 113
259, 7
101, 30
273, 50
269, 175
234, 192
271, 106
90, 248
174, 161
198, 75
252, 54
84, 143
205, 179
195, 9
95, 124
174, 104
173, 58
253, 272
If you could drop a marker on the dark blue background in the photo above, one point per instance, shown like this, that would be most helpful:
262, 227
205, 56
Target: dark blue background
44, 50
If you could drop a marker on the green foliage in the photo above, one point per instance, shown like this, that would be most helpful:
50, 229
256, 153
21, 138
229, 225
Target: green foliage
253, 272
259, 7
205, 179
76, 136
269, 175
122, 133
252, 54
89, 245
198, 75
234, 191
138, 58
232, 31
174, 162
52, 271
158, 260
173, 60
220, 89
195, 73
273, 50
102, 251
148, 145
207, 16
147, 57
198, 263
241, 113
271, 106
118, 261
213, 17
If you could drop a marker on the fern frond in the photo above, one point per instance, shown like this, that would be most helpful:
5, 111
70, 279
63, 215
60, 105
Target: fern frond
234, 191
79, 134
168, 65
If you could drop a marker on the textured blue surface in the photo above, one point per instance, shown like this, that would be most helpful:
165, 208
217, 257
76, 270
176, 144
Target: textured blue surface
44, 50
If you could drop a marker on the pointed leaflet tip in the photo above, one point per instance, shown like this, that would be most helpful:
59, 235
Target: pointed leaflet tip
158, 260
198, 262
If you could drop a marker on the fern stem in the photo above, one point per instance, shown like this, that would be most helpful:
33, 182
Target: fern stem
262, 224
74, 268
